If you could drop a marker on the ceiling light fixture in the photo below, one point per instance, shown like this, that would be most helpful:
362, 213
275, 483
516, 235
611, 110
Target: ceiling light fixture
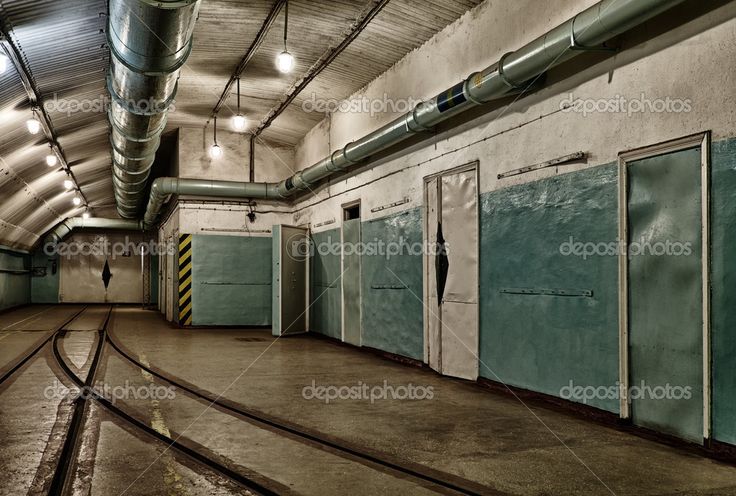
33, 124
285, 60
239, 121
77, 201
85, 215
215, 150
51, 159
68, 184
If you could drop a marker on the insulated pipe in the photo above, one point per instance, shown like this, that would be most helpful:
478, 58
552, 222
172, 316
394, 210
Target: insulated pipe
63, 229
149, 41
588, 30
163, 187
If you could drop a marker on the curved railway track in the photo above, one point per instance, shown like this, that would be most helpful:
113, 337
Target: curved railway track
252, 483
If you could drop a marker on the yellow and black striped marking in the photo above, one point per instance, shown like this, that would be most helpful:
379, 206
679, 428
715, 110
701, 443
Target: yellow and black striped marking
185, 279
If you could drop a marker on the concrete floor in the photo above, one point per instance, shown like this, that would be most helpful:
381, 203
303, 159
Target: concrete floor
475, 435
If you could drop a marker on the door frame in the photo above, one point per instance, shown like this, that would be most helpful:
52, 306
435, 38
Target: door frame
473, 165
343, 207
702, 140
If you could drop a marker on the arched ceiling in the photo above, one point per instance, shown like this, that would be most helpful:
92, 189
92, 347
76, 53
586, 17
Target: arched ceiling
63, 47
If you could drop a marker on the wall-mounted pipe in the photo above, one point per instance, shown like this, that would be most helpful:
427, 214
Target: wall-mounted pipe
512, 73
149, 41
63, 229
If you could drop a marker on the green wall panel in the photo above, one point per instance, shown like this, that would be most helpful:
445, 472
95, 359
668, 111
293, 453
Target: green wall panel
325, 314
723, 269
541, 342
15, 289
392, 316
231, 280
45, 289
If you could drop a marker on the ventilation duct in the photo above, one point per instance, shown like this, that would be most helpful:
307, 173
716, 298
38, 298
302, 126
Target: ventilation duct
512, 73
149, 43
586, 31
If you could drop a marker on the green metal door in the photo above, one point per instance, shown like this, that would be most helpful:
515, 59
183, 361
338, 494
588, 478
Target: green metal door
665, 293
351, 281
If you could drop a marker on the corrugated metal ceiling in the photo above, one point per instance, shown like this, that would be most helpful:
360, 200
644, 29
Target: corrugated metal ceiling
63, 44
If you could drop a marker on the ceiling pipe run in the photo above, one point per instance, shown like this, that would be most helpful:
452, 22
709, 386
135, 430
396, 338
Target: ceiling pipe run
586, 31
150, 40
62, 230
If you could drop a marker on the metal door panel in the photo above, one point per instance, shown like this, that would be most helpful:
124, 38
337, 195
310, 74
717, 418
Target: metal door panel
351, 281
460, 340
433, 309
459, 208
293, 280
81, 274
665, 292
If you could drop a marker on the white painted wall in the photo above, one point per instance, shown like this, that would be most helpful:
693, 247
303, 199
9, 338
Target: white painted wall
691, 63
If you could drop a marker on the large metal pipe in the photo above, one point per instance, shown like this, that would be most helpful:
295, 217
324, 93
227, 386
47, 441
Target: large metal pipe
512, 73
63, 229
149, 41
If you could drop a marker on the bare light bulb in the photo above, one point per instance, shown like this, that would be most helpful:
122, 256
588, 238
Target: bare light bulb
215, 151
285, 62
68, 184
239, 122
51, 160
33, 125
85, 215
3, 64
77, 201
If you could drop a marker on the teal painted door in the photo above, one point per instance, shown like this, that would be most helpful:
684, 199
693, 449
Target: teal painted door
351, 281
665, 293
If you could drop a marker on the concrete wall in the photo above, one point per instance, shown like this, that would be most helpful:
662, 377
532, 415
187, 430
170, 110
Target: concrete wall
543, 344
537, 344
273, 162
15, 279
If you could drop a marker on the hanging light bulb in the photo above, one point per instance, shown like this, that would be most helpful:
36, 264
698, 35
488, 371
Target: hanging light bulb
68, 184
51, 159
239, 121
85, 215
215, 150
4, 61
284, 60
33, 124
77, 201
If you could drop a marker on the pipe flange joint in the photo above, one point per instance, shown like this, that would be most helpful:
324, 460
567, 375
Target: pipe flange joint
412, 123
508, 82
476, 78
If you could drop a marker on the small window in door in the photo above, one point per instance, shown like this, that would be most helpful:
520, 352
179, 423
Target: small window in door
352, 212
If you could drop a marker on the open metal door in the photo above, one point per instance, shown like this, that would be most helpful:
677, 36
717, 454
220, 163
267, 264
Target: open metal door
452, 272
290, 280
